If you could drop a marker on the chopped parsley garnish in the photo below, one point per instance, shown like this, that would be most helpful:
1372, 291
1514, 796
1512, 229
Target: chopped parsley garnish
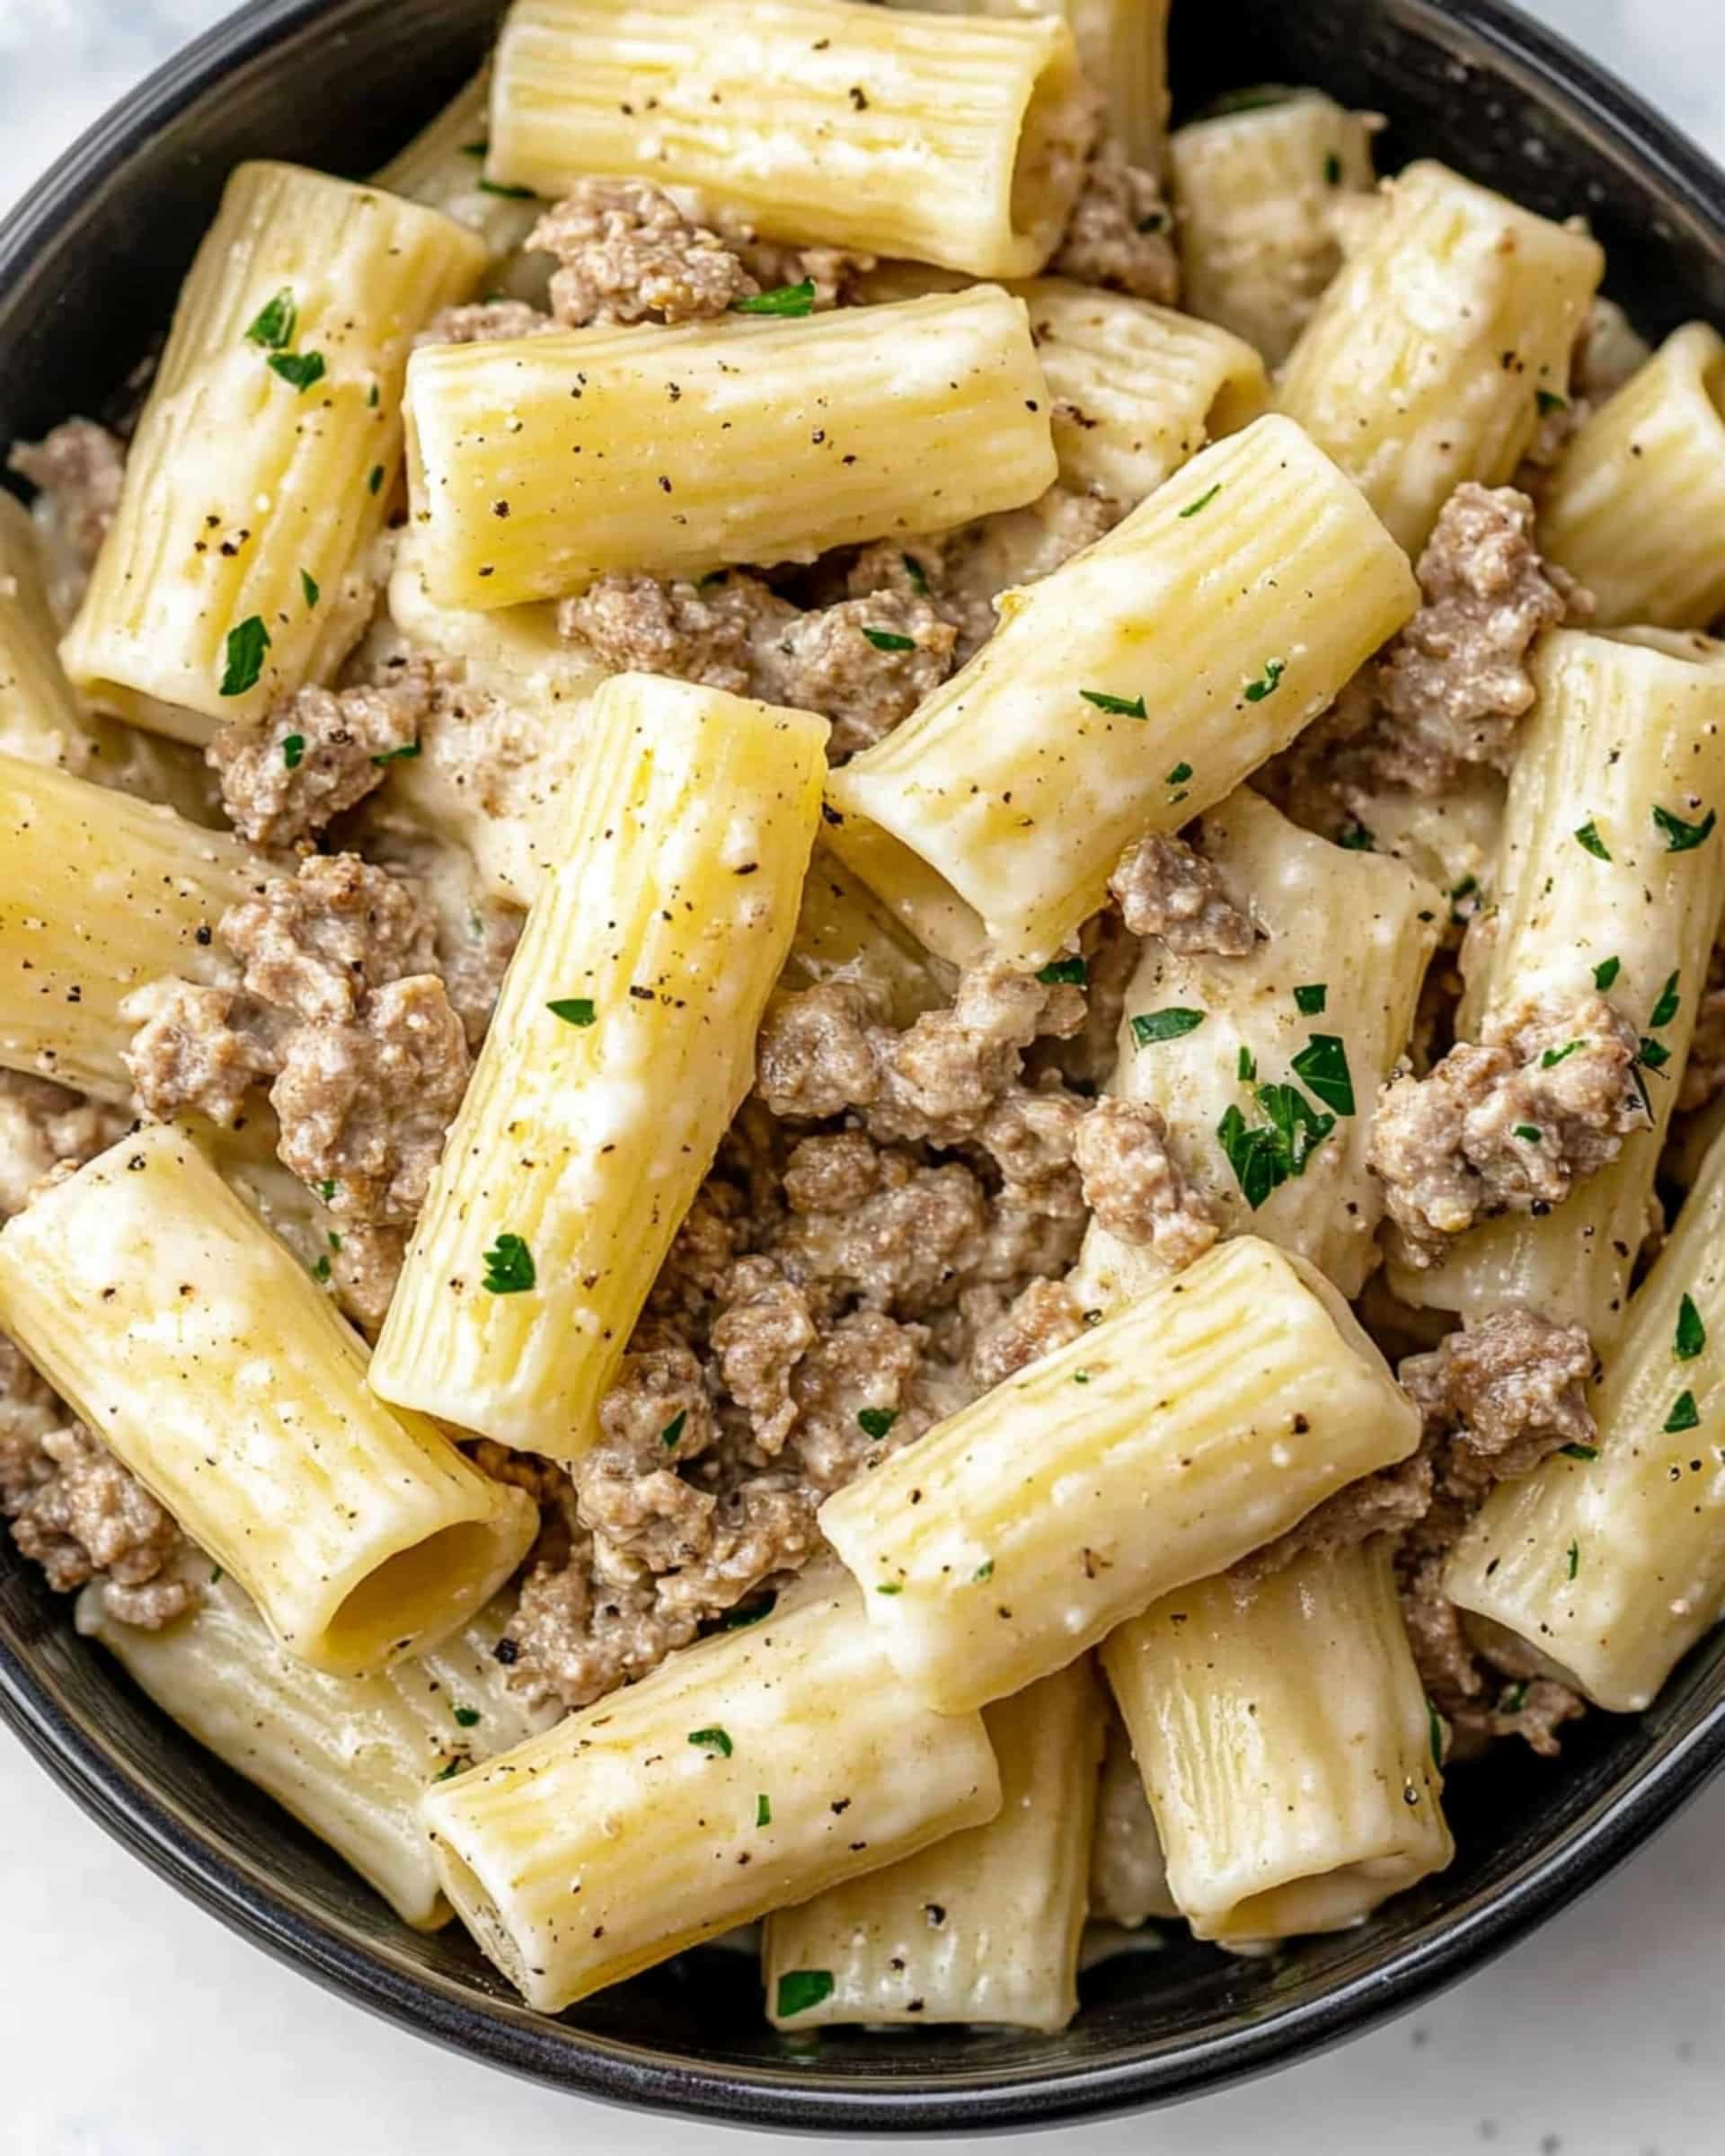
1579, 1451
1514, 1698
889, 639
1588, 837
510, 194
793, 300
467, 1716
246, 645
1203, 501
375, 478
1332, 170
299, 370
573, 1010
1553, 1056
1684, 1413
1528, 1134
762, 1809
1064, 971
1081, 1377
1267, 682
217, 1576
482, 148
451, 1771
917, 575
293, 751
1692, 1334
1323, 1063
1605, 973
889, 1587
1681, 837
1124, 707
508, 1267
275, 325
326, 1188
1654, 1054
715, 1741
985, 1570
875, 1422
1178, 775
1312, 998
321, 1270
1152, 1026
672, 1433
1246, 1068
1435, 1730
1357, 839
403, 754
308, 584
748, 1613
1575, 1559
1264, 1156
1666, 1009
800, 1989
1549, 401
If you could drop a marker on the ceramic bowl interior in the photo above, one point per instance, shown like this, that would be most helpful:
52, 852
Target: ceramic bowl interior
88, 270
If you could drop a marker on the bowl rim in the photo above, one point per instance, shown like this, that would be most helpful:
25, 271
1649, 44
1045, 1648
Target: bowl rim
500, 2032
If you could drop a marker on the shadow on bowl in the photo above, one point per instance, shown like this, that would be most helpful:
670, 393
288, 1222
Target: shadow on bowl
89, 267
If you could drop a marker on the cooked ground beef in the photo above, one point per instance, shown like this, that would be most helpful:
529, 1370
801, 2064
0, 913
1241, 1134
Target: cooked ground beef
1135, 1186
1455, 1147
199, 1048
1167, 890
486, 322
1389, 1502
1044, 1317
1508, 1391
1120, 234
77, 471
627, 254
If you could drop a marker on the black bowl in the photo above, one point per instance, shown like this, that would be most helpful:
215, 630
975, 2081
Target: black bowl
88, 269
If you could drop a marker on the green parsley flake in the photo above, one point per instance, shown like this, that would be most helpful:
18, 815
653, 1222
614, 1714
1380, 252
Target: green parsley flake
453, 1768
917, 575
672, 1436
793, 301
800, 1989
308, 585
405, 754
1528, 1134
1152, 1026
375, 478
326, 1189
468, 1717
293, 751
1579, 1451
509, 194
1357, 839
508, 1267
1514, 1698
985, 1570
1332, 170
275, 325
476, 149
1575, 1559
374, 396
1684, 1413
1178, 775
1324, 1065
748, 1613
246, 645
1081, 1377
1666, 1009
889, 639
217, 1576
875, 1422
715, 1741
1267, 682
1123, 707
889, 1587
1655, 1054
1203, 501
574, 1009
1588, 837
1692, 1334
1605, 973
1064, 971
1554, 1056
762, 1809
1435, 1731
1246, 1068
1681, 837
321, 1270
1264, 1156
300, 370
1549, 401
1312, 998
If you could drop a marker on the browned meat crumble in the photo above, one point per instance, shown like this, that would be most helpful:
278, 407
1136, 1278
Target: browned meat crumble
1135, 1186
1120, 234
1168, 890
486, 322
77, 471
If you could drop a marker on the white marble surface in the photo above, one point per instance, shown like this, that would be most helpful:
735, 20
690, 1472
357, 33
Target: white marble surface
132, 2025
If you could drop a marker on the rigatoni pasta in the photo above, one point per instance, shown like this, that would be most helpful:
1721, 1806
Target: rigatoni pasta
620, 1051
757, 1769
972, 131
1129, 691
1201, 1421
359, 1533
540, 465
1427, 359
268, 452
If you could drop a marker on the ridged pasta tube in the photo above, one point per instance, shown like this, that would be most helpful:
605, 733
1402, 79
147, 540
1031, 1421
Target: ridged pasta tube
1611, 1568
1424, 362
1636, 505
1129, 1867
952, 139
844, 933
100, 894
757, 1769
622, 1046
1595, 892
349, 1757
984, 1926
264, 463
1258, 192
1129, 691
540, 463
156, 1302
1323, 1004
1202, 1421
39, 719
1287, 1745
444, 168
